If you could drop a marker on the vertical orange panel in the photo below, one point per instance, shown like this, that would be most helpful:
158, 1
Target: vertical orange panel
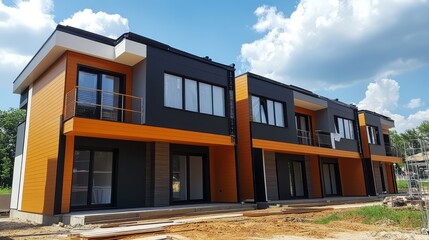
244, 138
315, 177
68, 172
223, 181
43, 135
364, 136
389, 176
352, 177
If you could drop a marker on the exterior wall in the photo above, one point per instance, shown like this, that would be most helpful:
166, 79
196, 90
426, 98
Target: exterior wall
276, 92
376, 149
244, 138
223, 181
316, 190
67, 174
390, 176
271, 176
43, 135
130, 169
139, 86
352, 177
336, 109
161, 61
161, 174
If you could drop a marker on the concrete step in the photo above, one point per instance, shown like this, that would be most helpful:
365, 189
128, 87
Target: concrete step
118, 215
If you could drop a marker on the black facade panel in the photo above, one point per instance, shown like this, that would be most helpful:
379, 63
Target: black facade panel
339, 110
130, 166
283, 173
373, 120
282, 94
20, 135
258, 175
369, 176
159, 62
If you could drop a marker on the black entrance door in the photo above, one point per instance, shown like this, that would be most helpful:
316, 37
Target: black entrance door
330, 177
291, 177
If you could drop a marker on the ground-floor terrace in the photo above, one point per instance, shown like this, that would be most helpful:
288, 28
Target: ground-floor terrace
282, 171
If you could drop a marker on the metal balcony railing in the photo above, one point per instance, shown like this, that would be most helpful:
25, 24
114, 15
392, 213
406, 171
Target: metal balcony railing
104, 105
391, 150
318, 139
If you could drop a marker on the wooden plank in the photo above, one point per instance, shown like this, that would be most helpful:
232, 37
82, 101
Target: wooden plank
135, 223
119, 231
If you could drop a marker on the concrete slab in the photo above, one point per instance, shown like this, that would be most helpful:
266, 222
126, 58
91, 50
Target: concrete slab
112, 215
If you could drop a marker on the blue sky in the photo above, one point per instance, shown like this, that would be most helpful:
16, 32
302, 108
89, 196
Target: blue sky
373, 54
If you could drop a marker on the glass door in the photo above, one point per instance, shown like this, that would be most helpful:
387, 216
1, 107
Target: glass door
303, 128
86, 99
330, 176
111, 101
92, 178
187, 178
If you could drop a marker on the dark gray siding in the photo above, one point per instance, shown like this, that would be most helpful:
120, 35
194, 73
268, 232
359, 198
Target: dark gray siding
130, 169
276, 92
20, 135
159, 62
373, 120
339, 110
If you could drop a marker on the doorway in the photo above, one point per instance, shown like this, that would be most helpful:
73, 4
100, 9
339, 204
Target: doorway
188, 178
303, 128
92, 178
331, 179
291, 176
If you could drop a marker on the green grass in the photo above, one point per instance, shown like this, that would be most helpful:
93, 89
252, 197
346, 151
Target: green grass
328, 219
405, 218
402, 184
5, 190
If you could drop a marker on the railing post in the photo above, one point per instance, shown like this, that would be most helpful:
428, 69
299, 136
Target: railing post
122, 107
75, 102
101, 105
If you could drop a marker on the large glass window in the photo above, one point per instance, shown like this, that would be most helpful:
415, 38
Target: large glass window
173, 91
206, 98
373, 137
198, 96
345, 128
191, 95
267, 111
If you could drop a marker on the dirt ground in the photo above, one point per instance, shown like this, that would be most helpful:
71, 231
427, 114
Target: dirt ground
284, 226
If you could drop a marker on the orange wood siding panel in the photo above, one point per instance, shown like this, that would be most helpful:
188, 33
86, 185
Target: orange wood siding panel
389, 175
223, 181
364, 136
389, 159
124, 131
302, 149
244, 138
68, 172
310, 113
315, 177
352, 177
43, 135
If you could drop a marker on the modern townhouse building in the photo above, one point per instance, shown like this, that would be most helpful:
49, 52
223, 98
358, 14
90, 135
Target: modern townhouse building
122, 123
378, 153
295, 144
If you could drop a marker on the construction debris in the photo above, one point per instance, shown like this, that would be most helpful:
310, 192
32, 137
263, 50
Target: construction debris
401, 201
262, 213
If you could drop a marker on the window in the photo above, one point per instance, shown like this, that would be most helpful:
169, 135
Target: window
267, 111
345, 128
172, 91
197, 96
97, 94
372, 135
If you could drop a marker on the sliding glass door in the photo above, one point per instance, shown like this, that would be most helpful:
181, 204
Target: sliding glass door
92, 178
187, 177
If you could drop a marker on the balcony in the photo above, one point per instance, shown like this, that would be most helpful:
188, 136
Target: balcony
391, 151
103, 105
318, 139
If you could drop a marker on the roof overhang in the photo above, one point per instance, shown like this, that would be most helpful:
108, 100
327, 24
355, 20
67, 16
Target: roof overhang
387, 124
126, 52
309, 102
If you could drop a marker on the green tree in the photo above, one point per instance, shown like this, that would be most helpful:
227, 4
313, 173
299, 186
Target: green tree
9, 121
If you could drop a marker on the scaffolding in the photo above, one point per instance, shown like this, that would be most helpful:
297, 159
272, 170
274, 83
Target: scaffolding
417, 175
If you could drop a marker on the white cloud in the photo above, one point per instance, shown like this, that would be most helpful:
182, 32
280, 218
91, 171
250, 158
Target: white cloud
26, 24
337, 43
415, 103
382, 97
111, 25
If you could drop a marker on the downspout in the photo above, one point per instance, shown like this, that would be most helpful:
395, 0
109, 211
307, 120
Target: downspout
233, 127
